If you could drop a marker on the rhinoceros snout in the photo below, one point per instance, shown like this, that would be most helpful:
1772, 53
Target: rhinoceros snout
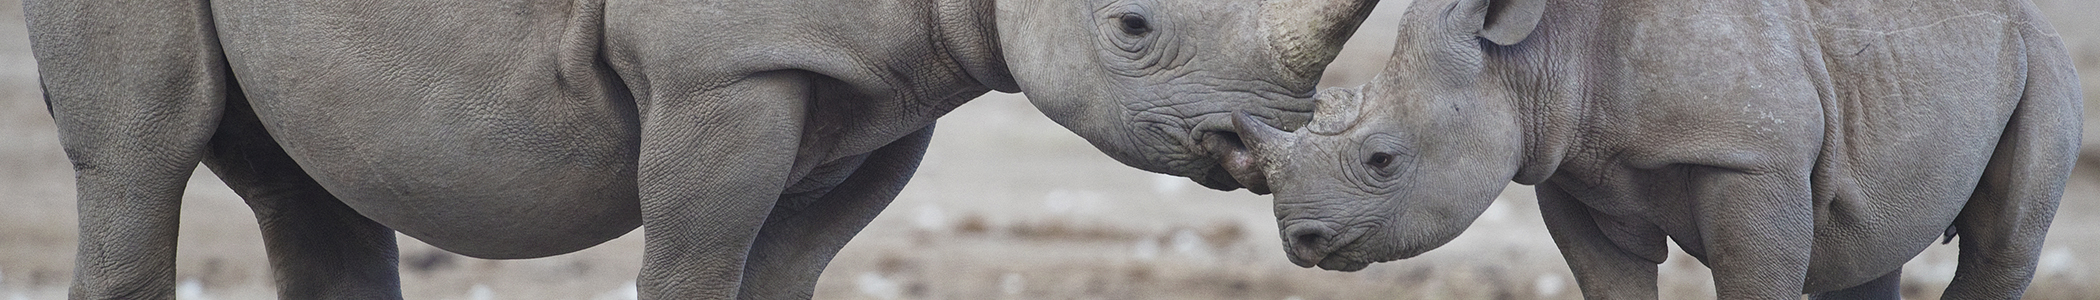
1308, 242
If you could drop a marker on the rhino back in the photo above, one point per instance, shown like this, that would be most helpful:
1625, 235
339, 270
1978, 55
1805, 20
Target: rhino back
421, 113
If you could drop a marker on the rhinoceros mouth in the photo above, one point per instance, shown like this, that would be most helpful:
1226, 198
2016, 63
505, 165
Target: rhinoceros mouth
1347, 258
1218, 178
1361, 246
1356, 256
1344, 264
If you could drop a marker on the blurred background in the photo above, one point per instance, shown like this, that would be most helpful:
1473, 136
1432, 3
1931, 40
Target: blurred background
1007, 205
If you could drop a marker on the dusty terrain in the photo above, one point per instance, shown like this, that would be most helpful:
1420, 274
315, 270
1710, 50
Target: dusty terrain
1007, 206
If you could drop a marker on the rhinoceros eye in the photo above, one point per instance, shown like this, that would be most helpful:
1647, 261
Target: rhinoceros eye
1379, 160
1134, 24
1384, 163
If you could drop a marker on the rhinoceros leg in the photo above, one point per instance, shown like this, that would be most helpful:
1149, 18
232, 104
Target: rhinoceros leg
2002, 226
794, 247
135, 88
1888, 287
319, 248
1602, 269
1758, 229
713, 163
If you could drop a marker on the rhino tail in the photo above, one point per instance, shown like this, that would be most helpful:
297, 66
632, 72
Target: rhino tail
1949, 237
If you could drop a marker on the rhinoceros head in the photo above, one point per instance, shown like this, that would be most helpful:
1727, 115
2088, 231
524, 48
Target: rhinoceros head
1406, 163
1153, 83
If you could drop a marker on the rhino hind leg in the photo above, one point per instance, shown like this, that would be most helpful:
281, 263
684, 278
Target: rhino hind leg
1888, 286
2002, 226
319, 248
796, 243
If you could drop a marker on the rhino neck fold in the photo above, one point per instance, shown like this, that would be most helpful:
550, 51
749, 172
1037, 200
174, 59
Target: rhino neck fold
1546, 77
967, 30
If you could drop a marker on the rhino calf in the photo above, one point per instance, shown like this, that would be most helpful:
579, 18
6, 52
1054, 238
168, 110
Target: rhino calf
1793, 147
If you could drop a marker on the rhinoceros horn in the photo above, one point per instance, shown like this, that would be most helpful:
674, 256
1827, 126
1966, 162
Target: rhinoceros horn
1259, 140
1308, 32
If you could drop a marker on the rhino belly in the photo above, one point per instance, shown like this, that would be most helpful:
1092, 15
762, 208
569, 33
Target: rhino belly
487, 128
490, 180
485, 180
485, 189
498, 217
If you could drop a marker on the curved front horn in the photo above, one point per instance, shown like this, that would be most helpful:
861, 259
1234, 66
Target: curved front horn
1247, 163
1308, 33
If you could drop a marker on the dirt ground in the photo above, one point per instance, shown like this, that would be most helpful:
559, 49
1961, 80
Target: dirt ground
1006, 206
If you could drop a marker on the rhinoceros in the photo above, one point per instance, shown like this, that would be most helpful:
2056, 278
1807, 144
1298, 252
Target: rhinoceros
749, 139
1792, 146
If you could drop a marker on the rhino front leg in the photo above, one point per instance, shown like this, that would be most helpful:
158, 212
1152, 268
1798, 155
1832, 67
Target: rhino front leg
319, 248
1603, 269
135, 88
1757, 229
712, 165
794, 247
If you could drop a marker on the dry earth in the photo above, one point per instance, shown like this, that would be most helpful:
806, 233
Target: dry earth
1007, 206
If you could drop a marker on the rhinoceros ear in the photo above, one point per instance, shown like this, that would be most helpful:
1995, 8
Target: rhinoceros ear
1336, 110
1504, 22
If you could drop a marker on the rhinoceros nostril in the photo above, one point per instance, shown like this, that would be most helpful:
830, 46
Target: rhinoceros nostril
1309, 242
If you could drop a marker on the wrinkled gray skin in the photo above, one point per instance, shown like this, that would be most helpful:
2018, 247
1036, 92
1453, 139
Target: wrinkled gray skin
749, 139
1792, 147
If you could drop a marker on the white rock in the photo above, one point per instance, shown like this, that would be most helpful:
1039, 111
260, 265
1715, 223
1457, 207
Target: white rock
1938, 271
626, 291
930, 217
480, 292
1496, 211
1548, 286
1147, 249
2057, 261
874, 285
1164, 184
1186, 242
1063, 201
1011, 283
190, 289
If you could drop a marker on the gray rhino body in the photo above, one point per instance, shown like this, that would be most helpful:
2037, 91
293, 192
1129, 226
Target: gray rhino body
1792, 146
749, 139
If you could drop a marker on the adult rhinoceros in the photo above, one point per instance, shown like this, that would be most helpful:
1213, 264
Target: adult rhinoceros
1794, 147
749, 139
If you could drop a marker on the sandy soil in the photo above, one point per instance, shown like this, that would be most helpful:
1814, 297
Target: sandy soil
1007, 206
